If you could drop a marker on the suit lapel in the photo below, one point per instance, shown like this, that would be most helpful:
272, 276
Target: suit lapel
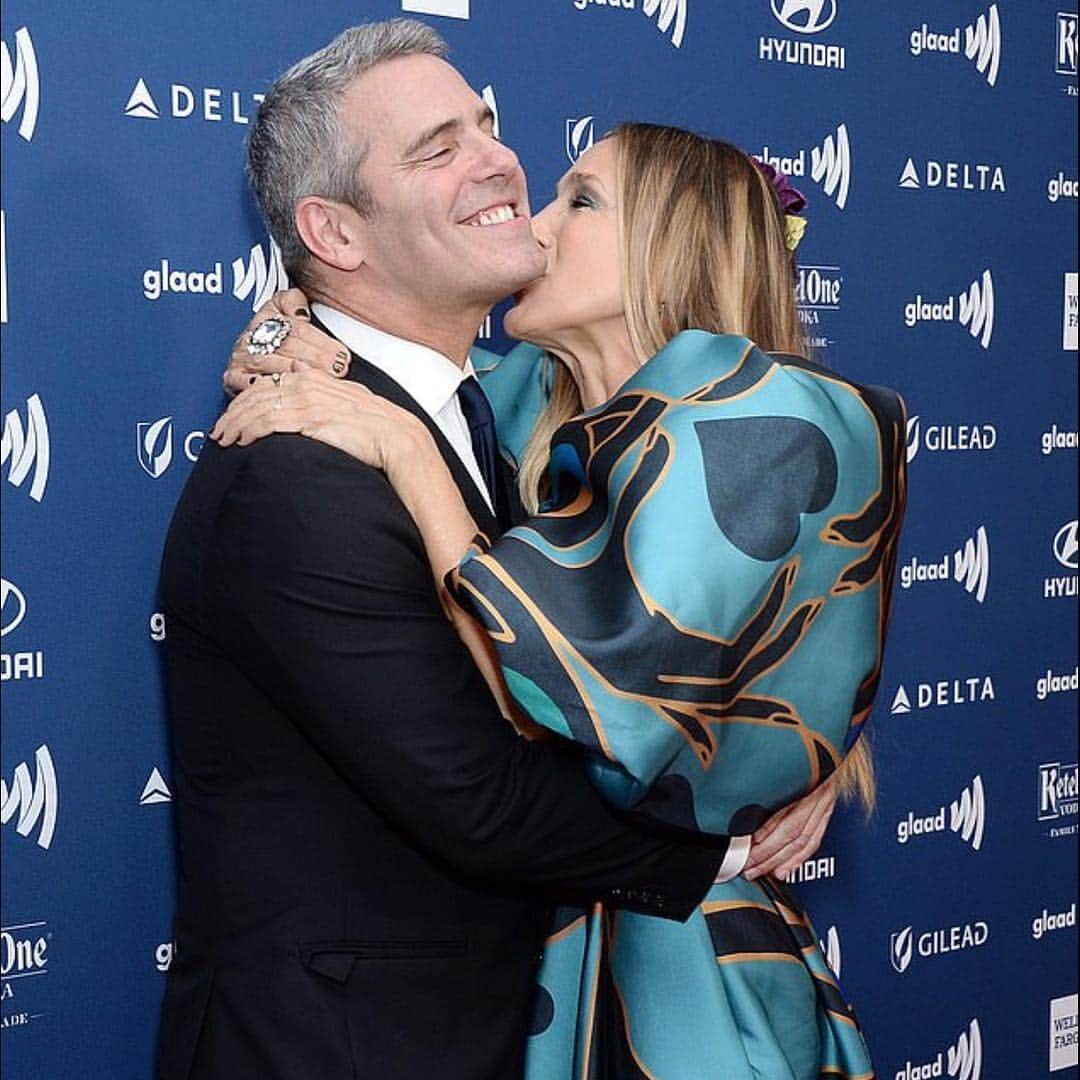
376, 380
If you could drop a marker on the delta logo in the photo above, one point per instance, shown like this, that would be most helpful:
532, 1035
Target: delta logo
973, 308
966, 817
979, 42
829, 164
952, 176
943, 694
968, 566
212, 104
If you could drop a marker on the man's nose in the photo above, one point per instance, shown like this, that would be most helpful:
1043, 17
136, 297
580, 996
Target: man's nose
496, 158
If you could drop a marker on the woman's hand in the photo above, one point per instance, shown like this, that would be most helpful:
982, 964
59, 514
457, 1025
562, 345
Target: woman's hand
305, 347
792, 835
341, 414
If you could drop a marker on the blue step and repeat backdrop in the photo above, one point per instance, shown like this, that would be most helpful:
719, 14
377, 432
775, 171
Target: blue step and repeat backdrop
936, 142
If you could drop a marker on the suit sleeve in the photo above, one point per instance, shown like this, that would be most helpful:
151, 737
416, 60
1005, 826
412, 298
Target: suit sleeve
321, 591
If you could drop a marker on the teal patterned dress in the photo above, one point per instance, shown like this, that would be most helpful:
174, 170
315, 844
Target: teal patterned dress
702, 606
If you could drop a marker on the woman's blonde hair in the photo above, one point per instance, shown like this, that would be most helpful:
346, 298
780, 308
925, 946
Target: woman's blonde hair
702, 246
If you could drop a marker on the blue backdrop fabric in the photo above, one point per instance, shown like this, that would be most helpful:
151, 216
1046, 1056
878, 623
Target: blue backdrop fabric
936, 143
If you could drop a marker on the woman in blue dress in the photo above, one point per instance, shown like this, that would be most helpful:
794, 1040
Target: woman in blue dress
699, 597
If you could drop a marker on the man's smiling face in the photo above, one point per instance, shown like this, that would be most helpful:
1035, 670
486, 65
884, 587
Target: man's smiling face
450, 227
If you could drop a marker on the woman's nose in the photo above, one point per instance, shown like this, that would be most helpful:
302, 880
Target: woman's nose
543, 223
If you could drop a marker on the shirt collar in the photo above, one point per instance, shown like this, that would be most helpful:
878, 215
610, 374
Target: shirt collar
430, 378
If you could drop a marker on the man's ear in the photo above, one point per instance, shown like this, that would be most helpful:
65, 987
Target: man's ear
332, 231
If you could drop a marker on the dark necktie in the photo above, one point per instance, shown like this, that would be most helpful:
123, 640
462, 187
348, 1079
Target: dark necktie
481, 421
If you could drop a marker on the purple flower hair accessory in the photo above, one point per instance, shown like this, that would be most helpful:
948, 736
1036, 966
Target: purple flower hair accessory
791, 199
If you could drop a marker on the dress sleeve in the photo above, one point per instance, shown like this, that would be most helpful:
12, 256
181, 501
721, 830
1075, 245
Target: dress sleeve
703, 608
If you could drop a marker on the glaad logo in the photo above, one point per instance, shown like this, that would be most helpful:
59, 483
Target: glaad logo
155, 790
671, 15
963, 1059
968, 565
27, 448
803, 17
34, 803
489, 99
982, 43
973, 308
947, 438
905, 944
831, 948
154, 445
12, 607
1069, 314
580, 136
451, 9
954, 175
1058, 791
1064, 1034
830, 164
1061, 187
970, 691
262, 276
967, 817
1065, 45
163, 956
1047, 922
185, 102
19, 84
1055, 684
1056, 439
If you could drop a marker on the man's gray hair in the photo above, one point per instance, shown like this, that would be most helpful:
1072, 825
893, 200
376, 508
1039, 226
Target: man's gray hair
298, 145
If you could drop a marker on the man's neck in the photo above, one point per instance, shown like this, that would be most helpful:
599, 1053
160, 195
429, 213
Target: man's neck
450, 335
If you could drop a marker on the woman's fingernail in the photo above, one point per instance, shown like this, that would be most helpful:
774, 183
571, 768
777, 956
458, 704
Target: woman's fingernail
253, 380
303, 313
338, 367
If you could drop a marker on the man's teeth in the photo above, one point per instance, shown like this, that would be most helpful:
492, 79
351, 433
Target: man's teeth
497, 215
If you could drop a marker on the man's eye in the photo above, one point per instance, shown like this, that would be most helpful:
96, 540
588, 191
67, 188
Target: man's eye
436, 154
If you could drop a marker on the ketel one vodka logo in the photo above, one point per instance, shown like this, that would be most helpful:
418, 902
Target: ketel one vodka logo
830, 164
966, 818
973, 308
24, 950
1065, 44
969, 566
962, 1061
906, 944
32, 805
19, 84
25, 448
1057, 791
980, 42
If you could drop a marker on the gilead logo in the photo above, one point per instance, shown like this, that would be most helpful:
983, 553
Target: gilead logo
905, 944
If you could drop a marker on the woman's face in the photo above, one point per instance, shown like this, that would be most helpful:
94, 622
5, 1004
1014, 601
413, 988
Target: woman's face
579, 298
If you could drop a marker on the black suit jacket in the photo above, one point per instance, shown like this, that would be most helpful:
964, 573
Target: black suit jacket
367, 850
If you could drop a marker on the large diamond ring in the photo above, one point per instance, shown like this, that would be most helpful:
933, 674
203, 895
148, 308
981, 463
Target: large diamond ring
268, 336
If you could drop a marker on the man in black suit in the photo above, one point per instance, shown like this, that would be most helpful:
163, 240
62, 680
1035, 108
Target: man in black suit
367, 849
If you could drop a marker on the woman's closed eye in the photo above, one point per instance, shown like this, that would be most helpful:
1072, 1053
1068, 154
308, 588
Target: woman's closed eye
583, 199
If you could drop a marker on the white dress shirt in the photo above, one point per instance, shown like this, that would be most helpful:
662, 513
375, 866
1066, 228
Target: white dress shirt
430, 378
